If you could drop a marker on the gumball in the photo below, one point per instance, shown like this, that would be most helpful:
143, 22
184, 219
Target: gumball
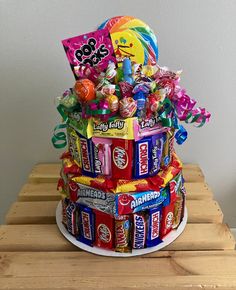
113, 103
85, 90
127, 107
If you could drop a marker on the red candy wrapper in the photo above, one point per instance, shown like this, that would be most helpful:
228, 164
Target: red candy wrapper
90, 50
122, 156
104, 230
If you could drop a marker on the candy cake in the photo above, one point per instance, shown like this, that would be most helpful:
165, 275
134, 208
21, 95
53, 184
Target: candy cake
121, 181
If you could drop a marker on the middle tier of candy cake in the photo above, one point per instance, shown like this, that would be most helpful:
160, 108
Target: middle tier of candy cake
120, 194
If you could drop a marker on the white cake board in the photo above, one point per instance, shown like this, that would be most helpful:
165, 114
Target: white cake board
99, 251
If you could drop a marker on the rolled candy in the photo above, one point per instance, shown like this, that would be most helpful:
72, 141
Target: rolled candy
153, 227
122, 158
85, 90
142, 165
68, 99
127, 107
104, 230
102, 155
86, 225
72, 219
139, 230
122, 234
87, 152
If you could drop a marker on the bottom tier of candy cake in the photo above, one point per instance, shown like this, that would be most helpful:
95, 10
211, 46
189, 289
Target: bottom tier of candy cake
117, 220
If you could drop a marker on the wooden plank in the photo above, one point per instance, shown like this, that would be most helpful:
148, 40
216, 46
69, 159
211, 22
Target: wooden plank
80, 270
47, 191
49, 172
48, 238
43, 212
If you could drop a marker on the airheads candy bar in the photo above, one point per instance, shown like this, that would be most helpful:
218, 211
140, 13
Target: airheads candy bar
127, 203
86, 149
92, 49
156, 153
96, 199
153, 225
86, 224
139, 230
118, 128
102, 155
142, 160
122, 158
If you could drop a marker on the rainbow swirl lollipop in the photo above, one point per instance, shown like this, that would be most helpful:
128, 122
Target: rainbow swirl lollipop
132, 38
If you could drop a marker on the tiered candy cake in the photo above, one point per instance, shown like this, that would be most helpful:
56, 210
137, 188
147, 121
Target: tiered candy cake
121, 180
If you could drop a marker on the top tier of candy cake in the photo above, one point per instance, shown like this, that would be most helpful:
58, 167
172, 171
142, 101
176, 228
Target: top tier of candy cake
122, 116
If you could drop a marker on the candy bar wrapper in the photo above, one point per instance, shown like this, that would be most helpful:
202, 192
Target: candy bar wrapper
154, 224
92, 49
156, 151
102, 155
96, 199
139, 185
139, 230
122, 158
72, 219
74, 145
104, 230
167, 215
64, 204
118, 128
142, 162
147, 127
127, 203
122, 234
86, 224
167, 148
87, 155
69, 167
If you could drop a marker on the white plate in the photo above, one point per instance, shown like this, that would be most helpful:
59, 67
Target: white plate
99, 251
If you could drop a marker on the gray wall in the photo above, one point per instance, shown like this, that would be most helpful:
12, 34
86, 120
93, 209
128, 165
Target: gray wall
198, 36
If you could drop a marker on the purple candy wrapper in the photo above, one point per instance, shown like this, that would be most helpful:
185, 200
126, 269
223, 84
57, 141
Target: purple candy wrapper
156, 150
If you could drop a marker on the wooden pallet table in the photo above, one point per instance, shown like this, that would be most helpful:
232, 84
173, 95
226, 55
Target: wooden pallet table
34, 254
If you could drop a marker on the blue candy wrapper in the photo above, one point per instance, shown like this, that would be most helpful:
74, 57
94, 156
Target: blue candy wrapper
87, 156
127, 203
153, 227
86, 225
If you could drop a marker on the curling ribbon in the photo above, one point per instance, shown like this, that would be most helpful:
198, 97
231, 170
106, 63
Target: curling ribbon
59, 138
181, 135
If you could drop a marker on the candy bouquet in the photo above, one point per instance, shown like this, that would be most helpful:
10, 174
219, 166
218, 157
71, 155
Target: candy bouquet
121, 180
